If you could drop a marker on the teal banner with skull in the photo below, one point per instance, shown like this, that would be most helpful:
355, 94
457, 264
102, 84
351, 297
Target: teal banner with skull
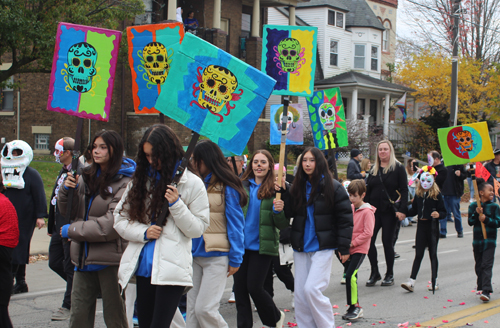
327, 115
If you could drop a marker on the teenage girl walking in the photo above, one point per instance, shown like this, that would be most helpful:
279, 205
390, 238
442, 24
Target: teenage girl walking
322, 225
219, 252
160, 256
484, 249
429, 207
262, 221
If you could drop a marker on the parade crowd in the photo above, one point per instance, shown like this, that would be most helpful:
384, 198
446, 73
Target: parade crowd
108, 239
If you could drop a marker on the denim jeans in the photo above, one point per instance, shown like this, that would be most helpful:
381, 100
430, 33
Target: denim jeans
471, 187
452, 204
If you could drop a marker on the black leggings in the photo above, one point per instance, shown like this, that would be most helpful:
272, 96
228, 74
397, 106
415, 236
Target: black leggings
156, 304
283, 272
386, 221
424, 239
250, 280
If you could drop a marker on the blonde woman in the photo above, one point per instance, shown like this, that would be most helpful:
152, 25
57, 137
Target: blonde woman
366, 165
386, 184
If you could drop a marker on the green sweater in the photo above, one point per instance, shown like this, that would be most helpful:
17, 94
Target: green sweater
492, 223
269, 223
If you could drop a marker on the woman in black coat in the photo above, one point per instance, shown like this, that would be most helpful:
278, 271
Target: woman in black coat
387, 183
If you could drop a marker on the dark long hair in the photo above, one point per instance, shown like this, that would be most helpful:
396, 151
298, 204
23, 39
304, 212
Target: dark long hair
167, 151
99, 184
266, 189
323, 186
211, 155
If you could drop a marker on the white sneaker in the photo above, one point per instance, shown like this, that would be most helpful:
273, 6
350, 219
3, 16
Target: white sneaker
293, 301
435, 287
280, 323
409, 286
342, 281
231, 298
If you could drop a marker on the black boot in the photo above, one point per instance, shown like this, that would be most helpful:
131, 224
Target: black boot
374, 277
20, 287
388, 280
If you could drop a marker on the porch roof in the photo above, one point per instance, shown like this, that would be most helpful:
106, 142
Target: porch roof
356, 79
274, 3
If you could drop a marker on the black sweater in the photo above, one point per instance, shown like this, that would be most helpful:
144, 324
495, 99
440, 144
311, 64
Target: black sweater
423, 207
394, 180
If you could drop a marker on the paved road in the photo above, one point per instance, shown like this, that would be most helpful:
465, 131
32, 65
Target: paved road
391, 305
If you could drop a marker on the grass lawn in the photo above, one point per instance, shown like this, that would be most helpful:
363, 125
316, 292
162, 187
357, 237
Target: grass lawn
49, 172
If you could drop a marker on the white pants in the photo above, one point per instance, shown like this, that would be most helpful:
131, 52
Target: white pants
203, 300
131, 295
312, 276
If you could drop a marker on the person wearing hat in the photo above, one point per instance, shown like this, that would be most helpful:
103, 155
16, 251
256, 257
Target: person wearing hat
494, 168
353, 168
59, 256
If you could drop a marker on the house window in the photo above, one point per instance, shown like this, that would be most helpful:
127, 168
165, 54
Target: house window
331, 17
42, 141
374, 61
385, 36
340, 20
7, 97
359, 56
334, 52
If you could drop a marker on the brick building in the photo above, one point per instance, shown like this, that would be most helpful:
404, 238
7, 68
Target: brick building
232, 25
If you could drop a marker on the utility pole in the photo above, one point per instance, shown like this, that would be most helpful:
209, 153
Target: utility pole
454, 65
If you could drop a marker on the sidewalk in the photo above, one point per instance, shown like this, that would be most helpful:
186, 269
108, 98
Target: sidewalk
40, 242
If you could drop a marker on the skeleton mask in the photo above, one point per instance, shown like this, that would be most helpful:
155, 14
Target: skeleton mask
288, 121
14, 166
426, 180
289, 51
81, 66
217, 87
327, 116
464, 140
59, 150
156, 62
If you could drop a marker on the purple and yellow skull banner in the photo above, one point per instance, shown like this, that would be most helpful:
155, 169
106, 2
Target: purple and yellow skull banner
215, 94
83, 71
150, 52
289, 57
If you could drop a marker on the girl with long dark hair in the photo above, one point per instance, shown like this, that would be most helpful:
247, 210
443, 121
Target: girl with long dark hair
322, 224
219, 252
96, 248
160, 256
262, 222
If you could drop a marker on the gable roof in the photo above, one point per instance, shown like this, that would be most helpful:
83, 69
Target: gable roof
361, 15
286, 13
335, 4
356, 78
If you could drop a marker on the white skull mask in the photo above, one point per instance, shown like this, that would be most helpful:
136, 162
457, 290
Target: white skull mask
59, 150
426, 180
14, 166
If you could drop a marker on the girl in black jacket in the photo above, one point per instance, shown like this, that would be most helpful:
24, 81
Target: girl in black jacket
428, 205
322, 225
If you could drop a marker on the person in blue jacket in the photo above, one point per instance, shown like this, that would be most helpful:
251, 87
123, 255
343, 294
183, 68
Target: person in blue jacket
219, 252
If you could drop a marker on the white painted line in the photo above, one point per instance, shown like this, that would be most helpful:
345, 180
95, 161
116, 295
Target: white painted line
449, 251
413, 240
36, 294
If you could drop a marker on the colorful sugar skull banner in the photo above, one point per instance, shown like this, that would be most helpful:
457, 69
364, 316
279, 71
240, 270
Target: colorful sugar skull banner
327, 114
150, 52
289, 57
83, 71
465, 143
214, 93
294, 125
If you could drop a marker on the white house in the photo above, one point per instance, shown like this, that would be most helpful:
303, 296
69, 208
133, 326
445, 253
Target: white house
350, 43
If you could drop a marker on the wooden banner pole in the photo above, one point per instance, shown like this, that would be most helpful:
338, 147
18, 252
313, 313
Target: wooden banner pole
478, 198
74, 166
284, 120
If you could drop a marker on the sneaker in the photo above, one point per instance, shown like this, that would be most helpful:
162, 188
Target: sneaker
485, 297
60, 315
293, 301
435, 287
342, 281
409, 286
231, 298
135, 321
460, 234
442, 236
396, 255
20, 288
280, 323
355, 313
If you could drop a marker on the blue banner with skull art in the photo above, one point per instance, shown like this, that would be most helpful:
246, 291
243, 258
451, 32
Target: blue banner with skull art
151, 48
214, 94
294, 125
327, 114
83, 71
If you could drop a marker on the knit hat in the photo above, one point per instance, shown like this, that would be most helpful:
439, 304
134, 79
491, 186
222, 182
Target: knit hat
355, 153
496, 151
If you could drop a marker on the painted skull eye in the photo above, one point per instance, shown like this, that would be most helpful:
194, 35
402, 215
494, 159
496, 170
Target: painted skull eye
150, 59
329, 112
284, 52
76, 61
87, 63
293, 53
323, 114
210, 83
160, 58
222, 89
